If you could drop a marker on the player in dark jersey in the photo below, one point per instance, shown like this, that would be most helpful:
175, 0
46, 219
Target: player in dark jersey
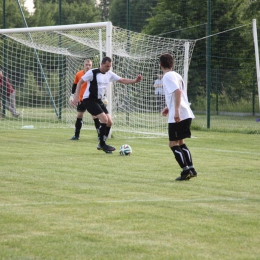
99, 79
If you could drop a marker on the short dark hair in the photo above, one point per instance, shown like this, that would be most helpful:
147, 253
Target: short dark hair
105, 59
166, 61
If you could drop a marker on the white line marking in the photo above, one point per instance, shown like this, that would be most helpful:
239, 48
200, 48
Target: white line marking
121, 201
225, 151
207, 149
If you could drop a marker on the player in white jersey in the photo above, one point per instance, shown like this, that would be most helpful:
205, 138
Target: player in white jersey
98, 80
179, 114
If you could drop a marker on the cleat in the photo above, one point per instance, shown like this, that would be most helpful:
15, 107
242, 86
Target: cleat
100, 149
193, 173
185, 176
74, 138
16, 115
107, 148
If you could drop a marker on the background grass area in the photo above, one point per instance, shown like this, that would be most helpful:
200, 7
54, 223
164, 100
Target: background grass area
62, 199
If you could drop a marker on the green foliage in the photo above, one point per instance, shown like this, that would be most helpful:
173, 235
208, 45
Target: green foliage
225, 104
104, 6
43, 15
72, 12
13, 16
139, 11
231, 51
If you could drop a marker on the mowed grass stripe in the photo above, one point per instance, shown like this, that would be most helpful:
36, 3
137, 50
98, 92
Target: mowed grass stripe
61, 199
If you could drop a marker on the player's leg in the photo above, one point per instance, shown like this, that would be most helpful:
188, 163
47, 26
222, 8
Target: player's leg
188, 158
109, 125
97, 124
10, 104
175, 138
100, 111
159, 102
13, 104
187, 155
104, 119
79, 122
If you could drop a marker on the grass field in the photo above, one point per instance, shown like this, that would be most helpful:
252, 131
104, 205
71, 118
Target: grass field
62, 199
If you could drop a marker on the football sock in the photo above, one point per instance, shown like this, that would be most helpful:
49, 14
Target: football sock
102, 133
107, 131
78, 126
187, 155
180, 157
97, 124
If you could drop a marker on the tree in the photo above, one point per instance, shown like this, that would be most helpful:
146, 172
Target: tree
12, 15
73, 12
187, 19
139, 11
104, 8
43, 14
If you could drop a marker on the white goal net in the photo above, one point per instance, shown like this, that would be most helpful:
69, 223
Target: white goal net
40, 64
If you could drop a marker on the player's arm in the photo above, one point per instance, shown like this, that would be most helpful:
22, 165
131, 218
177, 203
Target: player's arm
74, 86
73, 90
165, 111
177, 97
76, 95
130, 81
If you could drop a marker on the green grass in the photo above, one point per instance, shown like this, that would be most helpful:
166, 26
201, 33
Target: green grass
62, 199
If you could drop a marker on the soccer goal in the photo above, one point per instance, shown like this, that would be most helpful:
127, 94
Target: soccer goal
41, 62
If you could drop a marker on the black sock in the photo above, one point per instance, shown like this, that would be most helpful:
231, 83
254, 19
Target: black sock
179, 156
78, 126
187, 155
97, 125
102, 133
107, 131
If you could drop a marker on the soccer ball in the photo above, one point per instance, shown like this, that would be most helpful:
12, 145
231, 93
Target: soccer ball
125, 149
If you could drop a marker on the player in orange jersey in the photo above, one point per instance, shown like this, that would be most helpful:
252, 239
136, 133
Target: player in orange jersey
80, 108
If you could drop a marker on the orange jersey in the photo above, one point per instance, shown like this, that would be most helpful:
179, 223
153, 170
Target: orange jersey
78, 76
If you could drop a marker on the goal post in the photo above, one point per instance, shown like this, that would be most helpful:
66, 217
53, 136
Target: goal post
256, 57
41, 63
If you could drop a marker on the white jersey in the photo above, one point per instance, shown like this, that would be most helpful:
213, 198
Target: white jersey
171, 82
98, 83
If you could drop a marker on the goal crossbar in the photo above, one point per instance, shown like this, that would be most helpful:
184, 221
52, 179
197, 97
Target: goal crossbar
41, 63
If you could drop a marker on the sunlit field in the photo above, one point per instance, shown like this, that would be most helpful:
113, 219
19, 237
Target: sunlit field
62, 199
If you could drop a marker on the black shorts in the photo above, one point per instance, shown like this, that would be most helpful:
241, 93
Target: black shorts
179, 131
94, 106
81, 107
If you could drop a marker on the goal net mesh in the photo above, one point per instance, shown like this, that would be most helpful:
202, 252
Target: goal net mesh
41, 66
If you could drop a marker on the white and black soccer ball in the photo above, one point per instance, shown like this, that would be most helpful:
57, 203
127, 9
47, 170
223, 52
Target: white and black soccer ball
125, 149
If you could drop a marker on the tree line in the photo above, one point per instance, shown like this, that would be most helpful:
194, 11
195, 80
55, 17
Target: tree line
232, 52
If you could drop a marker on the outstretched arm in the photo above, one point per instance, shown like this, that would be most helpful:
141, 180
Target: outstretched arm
131, 81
